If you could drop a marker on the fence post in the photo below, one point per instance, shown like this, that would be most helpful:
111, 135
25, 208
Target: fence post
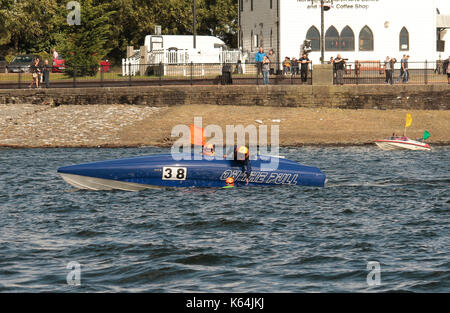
74, 76
192, 67
129, 74
257, 74
101, 76
20, 80
426, 72
160, 73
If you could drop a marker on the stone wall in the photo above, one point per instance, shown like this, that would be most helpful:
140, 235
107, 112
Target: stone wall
381, 97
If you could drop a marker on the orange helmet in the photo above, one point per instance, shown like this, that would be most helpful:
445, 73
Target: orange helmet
242, 153
229, 181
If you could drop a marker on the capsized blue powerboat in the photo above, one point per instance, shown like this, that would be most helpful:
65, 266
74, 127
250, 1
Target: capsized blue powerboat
166, 170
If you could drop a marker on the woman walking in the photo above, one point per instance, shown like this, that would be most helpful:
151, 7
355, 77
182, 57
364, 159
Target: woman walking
36, 73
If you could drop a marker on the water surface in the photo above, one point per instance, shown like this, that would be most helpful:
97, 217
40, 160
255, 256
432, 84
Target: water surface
388, 207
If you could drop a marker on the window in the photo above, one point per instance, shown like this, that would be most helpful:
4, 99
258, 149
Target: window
251, 41
271, 4
255, 41
347, 39
251, 5
241, 5
314, 35
366, 39
332, 39
404, 39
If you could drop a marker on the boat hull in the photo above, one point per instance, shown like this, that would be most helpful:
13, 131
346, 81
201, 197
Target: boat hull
402, 145
158, 171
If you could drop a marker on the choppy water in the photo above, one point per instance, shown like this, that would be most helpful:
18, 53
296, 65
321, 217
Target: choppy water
389, 207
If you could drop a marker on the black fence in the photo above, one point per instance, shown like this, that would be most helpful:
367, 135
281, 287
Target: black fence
376, 72
288, 73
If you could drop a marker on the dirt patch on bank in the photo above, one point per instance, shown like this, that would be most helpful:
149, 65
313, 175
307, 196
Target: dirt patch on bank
297, 126
129, 125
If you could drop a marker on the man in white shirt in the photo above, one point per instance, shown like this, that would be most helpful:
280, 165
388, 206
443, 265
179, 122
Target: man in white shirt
54, 53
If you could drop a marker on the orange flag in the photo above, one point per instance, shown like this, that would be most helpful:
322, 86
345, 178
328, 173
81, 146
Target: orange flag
197, 135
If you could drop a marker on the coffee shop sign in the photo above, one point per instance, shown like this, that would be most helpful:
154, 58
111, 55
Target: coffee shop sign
340, 4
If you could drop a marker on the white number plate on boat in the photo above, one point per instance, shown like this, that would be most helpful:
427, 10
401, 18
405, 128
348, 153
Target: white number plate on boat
174, 173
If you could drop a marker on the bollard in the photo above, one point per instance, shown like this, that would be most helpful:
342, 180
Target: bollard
129, 74
160, 73
192, 68
426, 72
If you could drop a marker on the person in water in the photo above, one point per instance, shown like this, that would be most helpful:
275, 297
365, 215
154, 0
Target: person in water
209, 149
229, 182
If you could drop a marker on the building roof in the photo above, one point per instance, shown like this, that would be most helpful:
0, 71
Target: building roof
443, 21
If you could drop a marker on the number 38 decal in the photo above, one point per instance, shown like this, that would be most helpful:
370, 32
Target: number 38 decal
174, 173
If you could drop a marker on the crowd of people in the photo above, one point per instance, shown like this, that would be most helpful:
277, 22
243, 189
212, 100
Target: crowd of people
267, 65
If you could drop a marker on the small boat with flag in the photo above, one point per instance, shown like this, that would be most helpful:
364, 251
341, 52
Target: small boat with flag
198, 169
404, 143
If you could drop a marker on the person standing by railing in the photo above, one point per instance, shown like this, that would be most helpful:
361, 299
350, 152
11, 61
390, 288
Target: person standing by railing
448, 70
46, 73
266, 70
304, 61
403, 69
259, 57
286, 66
340, 67
273, 61
35, 71
388, 70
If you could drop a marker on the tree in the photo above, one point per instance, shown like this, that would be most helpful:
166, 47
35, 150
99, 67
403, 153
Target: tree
85, 45
27, 25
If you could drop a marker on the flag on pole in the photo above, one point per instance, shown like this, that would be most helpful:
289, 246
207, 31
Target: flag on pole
197, 135
408, 120
426, 135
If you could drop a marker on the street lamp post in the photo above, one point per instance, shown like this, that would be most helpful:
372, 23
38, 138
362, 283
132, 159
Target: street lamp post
323, 8
195, 24
322, 30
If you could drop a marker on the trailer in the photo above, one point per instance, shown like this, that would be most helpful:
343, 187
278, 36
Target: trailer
177, 51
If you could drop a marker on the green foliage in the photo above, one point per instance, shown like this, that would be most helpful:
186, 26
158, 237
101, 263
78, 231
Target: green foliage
26, 25
85, 45
107, 27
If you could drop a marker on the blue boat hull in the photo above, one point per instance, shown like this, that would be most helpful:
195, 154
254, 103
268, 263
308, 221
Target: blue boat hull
165, 171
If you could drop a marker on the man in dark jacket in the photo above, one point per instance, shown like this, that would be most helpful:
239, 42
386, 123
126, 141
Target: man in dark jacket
304, 61
46, 68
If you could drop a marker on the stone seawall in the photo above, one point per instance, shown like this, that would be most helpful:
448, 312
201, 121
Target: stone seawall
380, 97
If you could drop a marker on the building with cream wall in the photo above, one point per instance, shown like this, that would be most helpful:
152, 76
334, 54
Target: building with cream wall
357, 29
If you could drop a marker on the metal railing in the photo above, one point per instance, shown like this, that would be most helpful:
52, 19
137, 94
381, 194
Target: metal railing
375, 72
133, 74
